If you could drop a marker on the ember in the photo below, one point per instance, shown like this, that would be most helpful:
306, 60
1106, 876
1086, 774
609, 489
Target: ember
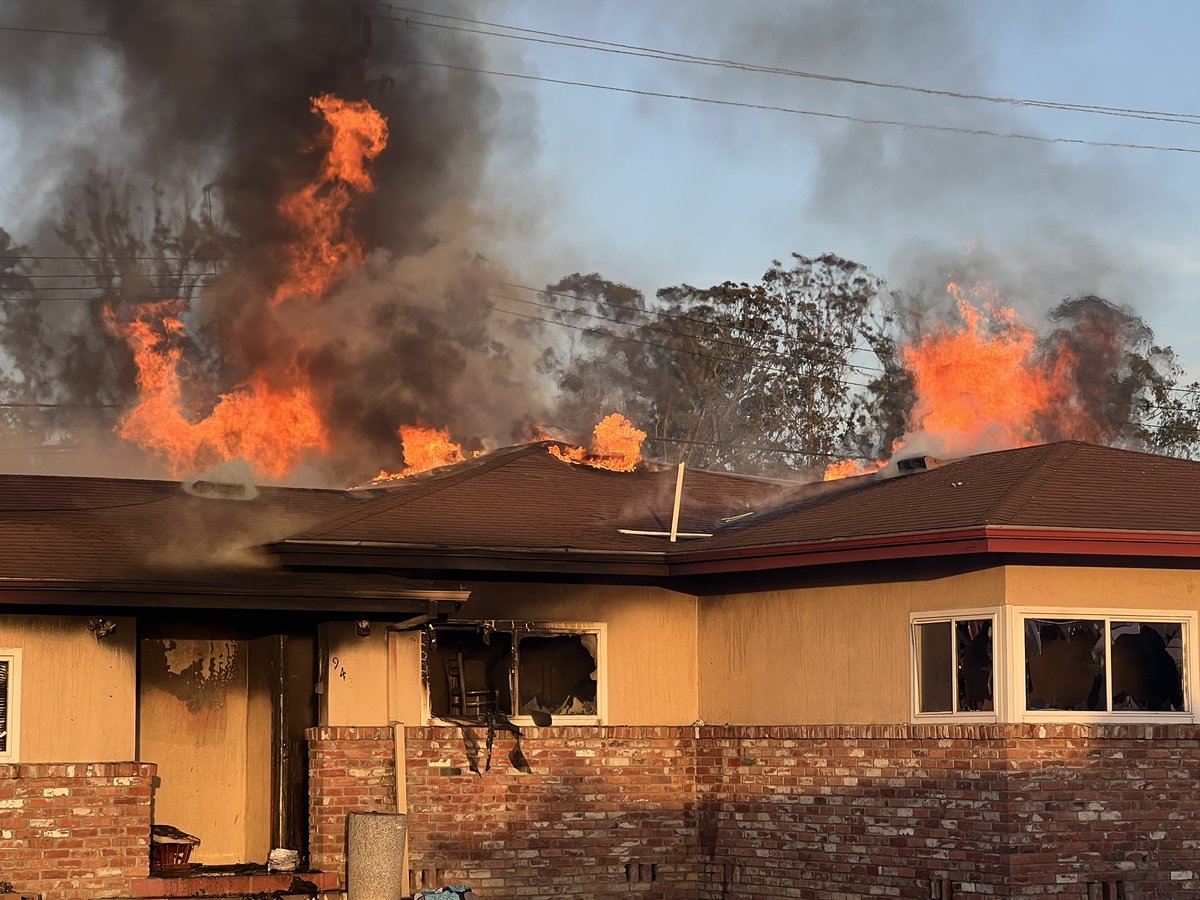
616, 446
424, 449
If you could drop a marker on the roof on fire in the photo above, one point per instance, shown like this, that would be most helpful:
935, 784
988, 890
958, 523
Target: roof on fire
520, 509
146, 542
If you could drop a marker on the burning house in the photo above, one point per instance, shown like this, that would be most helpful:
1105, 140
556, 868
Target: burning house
976, 676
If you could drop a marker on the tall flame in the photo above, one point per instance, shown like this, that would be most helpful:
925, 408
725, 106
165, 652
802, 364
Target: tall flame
616, 446
270, 427
323, 242
424, 449
273, 418
985, 385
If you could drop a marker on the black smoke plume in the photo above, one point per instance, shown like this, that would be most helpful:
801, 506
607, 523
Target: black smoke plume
174, 134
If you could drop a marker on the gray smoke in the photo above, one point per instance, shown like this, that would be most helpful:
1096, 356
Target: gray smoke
1041, 221
210, 102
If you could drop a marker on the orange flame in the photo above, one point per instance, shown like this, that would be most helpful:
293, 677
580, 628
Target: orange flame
984, 386
616, 446
271, 428
424, 449
323, 243
848, 468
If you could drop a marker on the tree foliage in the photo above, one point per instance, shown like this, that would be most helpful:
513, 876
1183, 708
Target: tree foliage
768, 376
803, 367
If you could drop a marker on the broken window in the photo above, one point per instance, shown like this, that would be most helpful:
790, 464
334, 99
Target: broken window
517, 669
1104, 665
10, 671
556, 674
953, 662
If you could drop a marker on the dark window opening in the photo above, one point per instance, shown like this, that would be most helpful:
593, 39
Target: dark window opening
1065, 663
470, 672
1104, 665
1147, 666
954, 666
472, 669
556, 674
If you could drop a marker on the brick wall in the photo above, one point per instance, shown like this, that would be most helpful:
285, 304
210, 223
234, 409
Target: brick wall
1002, 810
75, 832
712, 813
604, 811
350, 769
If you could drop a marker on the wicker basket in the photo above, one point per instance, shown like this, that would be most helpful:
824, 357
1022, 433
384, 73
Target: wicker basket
165, 857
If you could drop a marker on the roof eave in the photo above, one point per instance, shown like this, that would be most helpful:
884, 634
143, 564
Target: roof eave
379, 556
997, 539
24, 591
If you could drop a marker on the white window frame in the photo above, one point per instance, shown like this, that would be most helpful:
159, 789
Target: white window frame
520, 628
12, 752
999, 663
1015, 626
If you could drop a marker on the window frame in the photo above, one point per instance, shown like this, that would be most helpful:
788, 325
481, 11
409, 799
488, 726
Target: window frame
1016, 663
520, 628
999, 662
12, 752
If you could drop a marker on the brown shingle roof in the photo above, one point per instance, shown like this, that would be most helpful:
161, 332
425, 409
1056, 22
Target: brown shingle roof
87, 534
1066, 485
522, 497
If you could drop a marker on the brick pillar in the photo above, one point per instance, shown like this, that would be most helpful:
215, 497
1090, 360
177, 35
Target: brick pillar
75, 831
350, 769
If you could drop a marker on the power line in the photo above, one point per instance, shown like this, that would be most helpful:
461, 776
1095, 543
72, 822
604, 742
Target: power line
714, 340
585, 43
791, 110
31, 30
696, 321
671, 349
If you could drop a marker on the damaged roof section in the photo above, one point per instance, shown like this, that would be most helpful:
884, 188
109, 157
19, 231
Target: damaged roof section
519, 510
521, 501
150, 542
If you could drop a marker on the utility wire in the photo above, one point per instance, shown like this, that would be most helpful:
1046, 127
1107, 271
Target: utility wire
791, 110
708, 340
584, 43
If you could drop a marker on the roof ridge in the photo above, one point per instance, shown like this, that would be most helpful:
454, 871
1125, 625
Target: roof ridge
398, 497
1011, 502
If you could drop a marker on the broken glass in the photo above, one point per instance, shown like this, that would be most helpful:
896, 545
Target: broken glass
556, 674
1065, 663
1147, 666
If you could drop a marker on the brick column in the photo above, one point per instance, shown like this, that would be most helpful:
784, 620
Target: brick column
77, 831
350, 769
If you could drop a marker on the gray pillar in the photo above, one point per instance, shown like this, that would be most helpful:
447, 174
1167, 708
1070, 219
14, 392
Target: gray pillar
375, 856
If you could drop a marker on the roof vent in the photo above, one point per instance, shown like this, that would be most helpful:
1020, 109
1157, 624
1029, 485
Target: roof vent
231, 480
917, 464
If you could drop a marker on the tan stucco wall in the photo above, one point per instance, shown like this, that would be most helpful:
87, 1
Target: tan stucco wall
205, 719
78, 695
822, 655
1103, 587
651, 676
355, 687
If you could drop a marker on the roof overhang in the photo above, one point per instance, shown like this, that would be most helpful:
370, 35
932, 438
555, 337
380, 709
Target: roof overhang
694, 559
983, 539
403, 600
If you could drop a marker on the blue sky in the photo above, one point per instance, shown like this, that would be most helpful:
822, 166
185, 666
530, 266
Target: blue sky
655, 192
